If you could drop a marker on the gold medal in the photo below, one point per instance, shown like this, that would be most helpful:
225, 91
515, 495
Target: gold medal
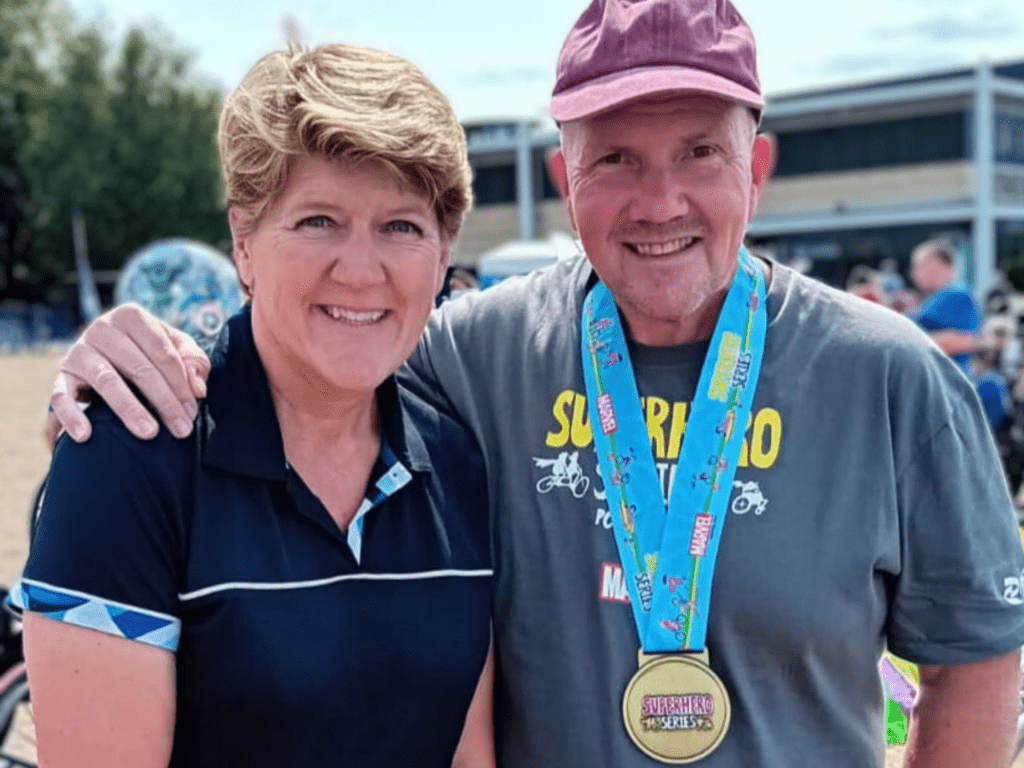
675, 708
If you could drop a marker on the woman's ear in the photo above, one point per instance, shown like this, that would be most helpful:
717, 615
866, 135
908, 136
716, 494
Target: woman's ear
241, 227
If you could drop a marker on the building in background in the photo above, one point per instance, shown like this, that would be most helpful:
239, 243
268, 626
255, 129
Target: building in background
513, 198
865, 172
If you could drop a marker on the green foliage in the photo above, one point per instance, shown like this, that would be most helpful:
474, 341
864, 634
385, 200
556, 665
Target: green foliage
126, 136
21, 37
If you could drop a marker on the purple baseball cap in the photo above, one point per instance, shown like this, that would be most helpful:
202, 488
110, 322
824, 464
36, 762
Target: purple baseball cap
624, 49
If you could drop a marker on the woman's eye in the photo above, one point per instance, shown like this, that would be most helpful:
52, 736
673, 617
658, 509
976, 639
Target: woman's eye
315, 222
404, 227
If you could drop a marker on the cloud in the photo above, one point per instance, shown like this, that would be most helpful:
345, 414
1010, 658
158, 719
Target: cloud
990, 24
879, 62
933, 40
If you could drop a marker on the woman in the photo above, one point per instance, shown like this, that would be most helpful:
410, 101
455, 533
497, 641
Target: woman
306, 579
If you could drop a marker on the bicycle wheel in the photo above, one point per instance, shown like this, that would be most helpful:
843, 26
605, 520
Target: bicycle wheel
1019, 745
17, 726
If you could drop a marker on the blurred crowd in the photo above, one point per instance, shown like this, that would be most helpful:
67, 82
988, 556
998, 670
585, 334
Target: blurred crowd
987, 340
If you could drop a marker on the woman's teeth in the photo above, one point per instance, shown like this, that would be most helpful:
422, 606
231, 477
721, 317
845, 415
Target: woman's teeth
351, 316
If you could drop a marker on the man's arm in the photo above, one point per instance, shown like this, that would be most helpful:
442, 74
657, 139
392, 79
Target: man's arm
129, 344
954, 342
966, 714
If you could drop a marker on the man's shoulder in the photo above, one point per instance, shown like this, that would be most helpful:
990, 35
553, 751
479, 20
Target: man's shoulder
543, 295
448, 444
810, 308
858, 343
435, 425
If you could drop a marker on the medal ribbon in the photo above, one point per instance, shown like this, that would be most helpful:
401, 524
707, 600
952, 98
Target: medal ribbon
668, 551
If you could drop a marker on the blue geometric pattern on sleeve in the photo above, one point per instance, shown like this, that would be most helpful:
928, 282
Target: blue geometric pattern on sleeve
395, 476
92, 612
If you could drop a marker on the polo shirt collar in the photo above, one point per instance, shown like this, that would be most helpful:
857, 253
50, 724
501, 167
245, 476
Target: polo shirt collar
242, 435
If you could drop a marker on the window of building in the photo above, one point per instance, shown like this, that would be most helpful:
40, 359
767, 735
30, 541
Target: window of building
543, 187
494, 185
832, 255
932, 138
1010, 251
1009, 139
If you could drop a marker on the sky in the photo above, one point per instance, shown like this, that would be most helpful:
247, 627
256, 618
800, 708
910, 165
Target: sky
497, 59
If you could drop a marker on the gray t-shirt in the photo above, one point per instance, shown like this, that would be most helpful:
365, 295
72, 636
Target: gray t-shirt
868, 509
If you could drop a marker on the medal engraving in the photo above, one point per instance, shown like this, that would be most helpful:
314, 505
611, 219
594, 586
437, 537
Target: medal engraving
676, 709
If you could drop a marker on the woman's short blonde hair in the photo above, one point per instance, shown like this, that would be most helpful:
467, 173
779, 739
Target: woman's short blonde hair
349, 103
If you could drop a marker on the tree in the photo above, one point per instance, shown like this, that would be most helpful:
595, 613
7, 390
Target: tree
22, 35
132, 146
127, 137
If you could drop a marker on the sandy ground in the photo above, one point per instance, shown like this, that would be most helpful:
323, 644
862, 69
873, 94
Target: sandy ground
25, 381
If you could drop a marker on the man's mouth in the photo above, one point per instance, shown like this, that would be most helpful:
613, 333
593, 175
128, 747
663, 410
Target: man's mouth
663, 248
352, 316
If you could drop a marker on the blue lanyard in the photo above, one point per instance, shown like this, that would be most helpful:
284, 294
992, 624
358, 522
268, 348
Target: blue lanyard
668, 551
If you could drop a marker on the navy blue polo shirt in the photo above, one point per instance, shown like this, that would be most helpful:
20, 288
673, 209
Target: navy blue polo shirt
298, 644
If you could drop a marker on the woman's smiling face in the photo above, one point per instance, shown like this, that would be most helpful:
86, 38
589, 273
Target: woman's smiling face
343, 267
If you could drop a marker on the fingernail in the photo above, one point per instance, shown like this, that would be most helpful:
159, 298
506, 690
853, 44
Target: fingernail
181, 427
77, 434
200, 386
146, 428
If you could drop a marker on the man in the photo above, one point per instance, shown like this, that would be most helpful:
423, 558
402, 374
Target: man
855, 515
948, 313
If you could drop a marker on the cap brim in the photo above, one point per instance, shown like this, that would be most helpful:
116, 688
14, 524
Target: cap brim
609, 91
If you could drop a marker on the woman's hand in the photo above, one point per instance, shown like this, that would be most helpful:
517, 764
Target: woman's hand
98, 700
127, 344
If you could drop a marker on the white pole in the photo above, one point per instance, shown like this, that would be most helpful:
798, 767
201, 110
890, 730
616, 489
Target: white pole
983, 229
88, 297
524, 180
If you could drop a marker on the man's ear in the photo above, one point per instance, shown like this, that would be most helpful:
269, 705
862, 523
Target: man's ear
762, 165
558, 172
241, 226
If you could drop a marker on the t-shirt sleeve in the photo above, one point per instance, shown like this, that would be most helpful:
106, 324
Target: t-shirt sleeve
954, 311
434, 368
958, 597
105, 554
994, 398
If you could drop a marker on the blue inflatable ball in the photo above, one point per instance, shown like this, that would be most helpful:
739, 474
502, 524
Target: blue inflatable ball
185, 283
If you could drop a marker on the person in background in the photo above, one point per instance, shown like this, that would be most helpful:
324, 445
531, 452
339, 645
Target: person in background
306, 579
948, 311
460, 281
992, 389
667, 408
863, 282
890, 280
995, 397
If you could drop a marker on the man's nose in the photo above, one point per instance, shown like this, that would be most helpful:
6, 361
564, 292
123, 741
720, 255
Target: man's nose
661, 196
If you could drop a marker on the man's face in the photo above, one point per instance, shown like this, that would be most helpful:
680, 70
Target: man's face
660, 192
929, 272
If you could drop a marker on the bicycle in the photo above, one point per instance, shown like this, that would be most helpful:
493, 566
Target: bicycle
17, 726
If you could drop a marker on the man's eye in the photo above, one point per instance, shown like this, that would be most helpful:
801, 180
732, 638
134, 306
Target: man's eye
315, 222
612, 158
703, 151
404, 227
